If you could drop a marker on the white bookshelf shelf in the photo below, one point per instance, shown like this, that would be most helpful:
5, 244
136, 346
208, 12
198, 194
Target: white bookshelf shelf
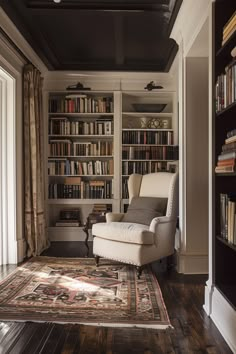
78, 201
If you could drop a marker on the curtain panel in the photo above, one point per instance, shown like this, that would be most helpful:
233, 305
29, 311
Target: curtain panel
35, 230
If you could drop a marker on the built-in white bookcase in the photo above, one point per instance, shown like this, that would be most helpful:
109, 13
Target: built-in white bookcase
95, 140
149, 135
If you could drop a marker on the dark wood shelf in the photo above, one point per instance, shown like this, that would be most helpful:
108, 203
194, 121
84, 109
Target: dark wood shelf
225, 242
225, 50
232, 107
229, 174
224, 253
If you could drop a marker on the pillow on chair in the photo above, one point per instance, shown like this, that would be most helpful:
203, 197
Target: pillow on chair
143, 209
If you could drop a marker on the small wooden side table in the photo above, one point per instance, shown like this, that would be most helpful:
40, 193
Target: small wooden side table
91, 219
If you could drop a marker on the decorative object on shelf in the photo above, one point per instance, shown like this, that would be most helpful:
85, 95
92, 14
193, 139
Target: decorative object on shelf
151, 123
233, 52
70, 214
78, 86
149, 107
69, 217
150, 86
131, 122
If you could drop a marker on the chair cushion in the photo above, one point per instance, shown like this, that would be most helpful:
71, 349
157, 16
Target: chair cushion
143, 209
124, 232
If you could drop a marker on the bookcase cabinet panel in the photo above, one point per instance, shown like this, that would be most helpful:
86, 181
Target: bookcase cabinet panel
224, 124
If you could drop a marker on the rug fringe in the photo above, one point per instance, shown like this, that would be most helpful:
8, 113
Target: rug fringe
98, 324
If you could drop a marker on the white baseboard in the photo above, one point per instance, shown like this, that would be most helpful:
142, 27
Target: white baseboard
208, 298
191, 263
224, 317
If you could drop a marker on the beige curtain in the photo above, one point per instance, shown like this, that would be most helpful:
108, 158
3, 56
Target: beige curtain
33, 162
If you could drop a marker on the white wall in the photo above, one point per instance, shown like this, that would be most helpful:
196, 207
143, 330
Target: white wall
191, 34
197, 155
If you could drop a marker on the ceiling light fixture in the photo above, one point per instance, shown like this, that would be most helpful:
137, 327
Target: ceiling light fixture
57, 1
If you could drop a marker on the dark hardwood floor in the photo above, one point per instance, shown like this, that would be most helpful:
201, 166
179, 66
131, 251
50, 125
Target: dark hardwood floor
193, 331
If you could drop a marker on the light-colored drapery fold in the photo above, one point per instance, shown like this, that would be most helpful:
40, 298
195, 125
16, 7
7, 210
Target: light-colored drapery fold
35, 232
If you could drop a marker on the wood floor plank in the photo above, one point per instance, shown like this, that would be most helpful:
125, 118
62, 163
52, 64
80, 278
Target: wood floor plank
193, 331
9, 340
22, 340
38, 339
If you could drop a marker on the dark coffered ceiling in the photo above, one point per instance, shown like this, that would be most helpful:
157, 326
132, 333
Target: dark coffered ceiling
124, 35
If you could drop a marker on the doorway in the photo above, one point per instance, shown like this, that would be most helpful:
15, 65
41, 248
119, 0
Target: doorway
8, 240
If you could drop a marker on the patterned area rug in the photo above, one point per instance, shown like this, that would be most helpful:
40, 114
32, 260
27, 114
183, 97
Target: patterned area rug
73, 290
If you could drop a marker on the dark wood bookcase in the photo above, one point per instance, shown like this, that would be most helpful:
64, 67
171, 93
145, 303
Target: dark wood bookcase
224, 253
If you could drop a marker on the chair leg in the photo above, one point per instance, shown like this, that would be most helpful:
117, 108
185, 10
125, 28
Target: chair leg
170, 262
97, 260
139, 271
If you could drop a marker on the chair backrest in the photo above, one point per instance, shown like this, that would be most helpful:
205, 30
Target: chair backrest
158, 184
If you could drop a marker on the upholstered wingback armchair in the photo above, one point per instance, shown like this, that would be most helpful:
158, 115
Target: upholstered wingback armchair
145, 233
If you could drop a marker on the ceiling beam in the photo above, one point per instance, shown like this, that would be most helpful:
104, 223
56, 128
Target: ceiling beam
119, 39
128, 6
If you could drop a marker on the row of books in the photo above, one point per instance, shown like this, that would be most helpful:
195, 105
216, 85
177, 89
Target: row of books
228, 217
143, 167
225, 89
68, 148
147, 137
98, 148
80, 104
96, 168
84, 190
63, 126
226, 162
229, 28
124, 187
150, 153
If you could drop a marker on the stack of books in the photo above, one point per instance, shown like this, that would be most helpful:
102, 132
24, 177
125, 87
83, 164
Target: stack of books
228, 217
227, 159
101, 209
229, 28
69, 218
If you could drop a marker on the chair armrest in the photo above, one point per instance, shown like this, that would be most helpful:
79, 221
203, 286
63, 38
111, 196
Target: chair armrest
164, 228
160, 220
114, 216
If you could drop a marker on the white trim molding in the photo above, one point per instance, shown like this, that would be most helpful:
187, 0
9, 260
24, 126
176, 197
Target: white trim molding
208, 297
192, 263
224, 317
11, 72
8, 242
114, 81
12, 31
187, 27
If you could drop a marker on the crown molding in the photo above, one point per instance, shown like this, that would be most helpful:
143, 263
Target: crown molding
10, 29
186, 28
108, 80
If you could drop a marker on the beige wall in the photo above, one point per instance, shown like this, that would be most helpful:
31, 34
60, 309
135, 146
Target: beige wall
197, 155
